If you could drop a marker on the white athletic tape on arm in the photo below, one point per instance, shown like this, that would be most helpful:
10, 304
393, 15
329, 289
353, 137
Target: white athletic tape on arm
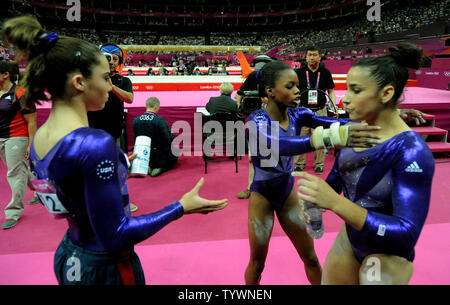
327, 139
331, 137
334, 132
343, 131
317, 137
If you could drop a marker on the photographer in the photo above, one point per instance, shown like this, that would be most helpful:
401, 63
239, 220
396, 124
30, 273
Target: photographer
111, 117
248, 100
251, 83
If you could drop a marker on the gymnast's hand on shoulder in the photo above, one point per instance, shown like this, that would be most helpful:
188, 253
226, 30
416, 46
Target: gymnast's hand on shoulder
412, 115
362, 135
193, 203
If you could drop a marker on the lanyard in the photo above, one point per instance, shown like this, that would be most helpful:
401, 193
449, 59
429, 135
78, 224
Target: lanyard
307, 79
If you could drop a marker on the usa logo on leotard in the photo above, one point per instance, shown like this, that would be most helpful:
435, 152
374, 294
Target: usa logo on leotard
105, 170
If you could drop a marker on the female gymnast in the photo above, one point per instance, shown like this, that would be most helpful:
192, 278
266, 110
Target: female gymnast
273, 186
80, 172
386, 187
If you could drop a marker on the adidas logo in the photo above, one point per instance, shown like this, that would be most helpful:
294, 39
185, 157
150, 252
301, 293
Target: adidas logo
413, 168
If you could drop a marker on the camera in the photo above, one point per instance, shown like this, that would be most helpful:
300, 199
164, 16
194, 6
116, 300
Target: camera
250, 102
109, 57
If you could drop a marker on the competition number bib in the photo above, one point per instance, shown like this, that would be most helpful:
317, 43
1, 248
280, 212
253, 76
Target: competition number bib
47, 195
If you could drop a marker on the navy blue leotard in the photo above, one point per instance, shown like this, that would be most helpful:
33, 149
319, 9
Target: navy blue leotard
89, 172
273, 167
393, 182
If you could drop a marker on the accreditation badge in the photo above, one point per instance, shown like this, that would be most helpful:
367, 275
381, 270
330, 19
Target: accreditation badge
312, 97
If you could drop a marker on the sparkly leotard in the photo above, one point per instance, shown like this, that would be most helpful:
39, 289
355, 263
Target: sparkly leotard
89, 172
393, 182
274, 166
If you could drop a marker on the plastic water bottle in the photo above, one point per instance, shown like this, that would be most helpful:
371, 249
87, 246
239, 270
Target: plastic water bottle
139, 167
315, 227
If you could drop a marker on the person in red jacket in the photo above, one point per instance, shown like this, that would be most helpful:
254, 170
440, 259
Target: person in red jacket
17, 128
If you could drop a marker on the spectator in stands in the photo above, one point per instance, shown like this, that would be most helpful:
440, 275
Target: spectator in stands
314, 80
150, 71
155, 127
181, 67
162, 71
223, 103
131, 73
223, 70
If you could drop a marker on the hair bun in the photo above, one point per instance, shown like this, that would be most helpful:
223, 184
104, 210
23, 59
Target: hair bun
407, 55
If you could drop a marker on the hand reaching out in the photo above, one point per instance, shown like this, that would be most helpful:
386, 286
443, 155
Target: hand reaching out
193, 203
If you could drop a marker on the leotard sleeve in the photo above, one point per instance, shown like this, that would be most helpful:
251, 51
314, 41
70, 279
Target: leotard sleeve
103, 196
412, 176
304, 117
263, 133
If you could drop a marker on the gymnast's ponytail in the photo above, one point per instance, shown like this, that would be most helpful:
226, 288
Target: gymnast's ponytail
51, 58
392, 69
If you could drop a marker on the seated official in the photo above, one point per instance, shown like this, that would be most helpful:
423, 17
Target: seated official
151, 125
223, 103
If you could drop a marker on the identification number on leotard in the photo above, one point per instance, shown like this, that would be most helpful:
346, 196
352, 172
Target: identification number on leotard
52, 203
47, 195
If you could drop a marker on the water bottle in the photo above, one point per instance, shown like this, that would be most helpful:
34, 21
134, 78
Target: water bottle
315, 226
139, 167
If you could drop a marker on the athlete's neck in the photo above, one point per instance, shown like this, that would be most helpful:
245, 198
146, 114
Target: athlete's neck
390, 122
278, 112
6, 86
71, 113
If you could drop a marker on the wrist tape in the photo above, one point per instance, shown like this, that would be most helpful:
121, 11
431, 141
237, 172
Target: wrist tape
335, 136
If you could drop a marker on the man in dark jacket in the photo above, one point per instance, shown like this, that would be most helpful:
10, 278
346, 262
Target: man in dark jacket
223, 103
155, 127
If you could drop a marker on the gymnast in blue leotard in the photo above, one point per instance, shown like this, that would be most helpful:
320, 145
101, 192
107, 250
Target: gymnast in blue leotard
80, 173
386, 188
278, 127
275, 183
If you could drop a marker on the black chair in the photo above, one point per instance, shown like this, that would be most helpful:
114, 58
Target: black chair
227, 145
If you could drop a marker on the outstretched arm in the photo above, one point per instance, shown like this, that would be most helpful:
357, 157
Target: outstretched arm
104, 200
